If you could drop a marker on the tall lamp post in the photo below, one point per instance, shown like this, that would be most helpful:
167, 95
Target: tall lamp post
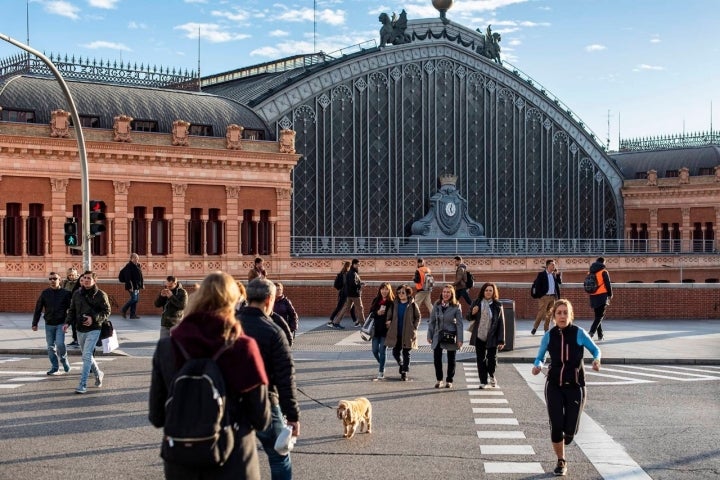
84, 183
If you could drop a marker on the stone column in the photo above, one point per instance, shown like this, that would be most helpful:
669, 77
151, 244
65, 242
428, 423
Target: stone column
232, 225
685, 231
178, 237
148, 229
716, 226
119, 234
653, 231
281, 230
58, 194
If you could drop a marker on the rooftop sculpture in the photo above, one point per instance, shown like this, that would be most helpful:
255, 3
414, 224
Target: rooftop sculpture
393, 29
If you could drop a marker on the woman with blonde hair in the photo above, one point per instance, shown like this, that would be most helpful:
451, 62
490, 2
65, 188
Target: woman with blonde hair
445, 321
209, 325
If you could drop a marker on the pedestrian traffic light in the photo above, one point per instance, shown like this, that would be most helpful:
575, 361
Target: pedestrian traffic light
71, 233
97, 217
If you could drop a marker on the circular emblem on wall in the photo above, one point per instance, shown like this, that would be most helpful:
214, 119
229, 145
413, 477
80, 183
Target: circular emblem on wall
450, 209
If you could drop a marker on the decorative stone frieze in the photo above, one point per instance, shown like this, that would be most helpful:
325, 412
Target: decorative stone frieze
283, 193
59, 124
684, 176
122, 128
652, 178
121, 188
233, 137
232, 191
179, 189
59, 184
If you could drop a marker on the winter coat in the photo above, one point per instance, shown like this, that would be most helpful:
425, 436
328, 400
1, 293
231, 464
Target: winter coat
459, 282
88, 301
352, 283
278, 360
496, 333
173, 307
597, 300
132, 277
450, 319
55, 302
411, 321
381, 329
284, 307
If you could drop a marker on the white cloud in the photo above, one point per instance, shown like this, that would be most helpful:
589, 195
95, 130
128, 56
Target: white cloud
238, 16
133, 25
655, 39
645, 66
331, 17
279, 33
515, 42
211, 32
108, 4
196, 1
595, 47
64, 9
98, 44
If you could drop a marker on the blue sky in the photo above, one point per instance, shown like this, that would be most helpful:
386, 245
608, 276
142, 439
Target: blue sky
653, 64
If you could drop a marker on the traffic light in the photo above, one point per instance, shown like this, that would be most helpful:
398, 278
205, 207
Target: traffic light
71, 233
97, 217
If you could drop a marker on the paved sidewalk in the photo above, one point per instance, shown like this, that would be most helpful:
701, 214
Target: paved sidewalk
626, 341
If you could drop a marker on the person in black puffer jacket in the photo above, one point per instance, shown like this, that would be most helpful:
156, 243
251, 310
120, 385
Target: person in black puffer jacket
55, 300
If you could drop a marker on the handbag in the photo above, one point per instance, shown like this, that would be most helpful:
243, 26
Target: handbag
368, 329
110, 343
106, 330
447, 337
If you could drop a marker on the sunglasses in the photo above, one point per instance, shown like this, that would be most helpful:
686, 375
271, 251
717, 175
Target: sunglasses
53, 278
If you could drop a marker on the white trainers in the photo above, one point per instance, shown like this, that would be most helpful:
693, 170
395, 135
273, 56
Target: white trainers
493, 382
380, 376
482, 386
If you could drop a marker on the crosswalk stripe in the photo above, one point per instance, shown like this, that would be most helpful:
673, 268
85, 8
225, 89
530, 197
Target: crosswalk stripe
496, 421
652, 375
8, 386
485, 392
21, 372
488, 409
25, 379
663, 370
491, 400
507, 450
513, 467
500, 434
13, 359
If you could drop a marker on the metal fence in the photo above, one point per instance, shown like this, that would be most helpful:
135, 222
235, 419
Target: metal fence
389, 246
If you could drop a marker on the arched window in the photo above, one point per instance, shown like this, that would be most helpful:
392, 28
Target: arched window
159, 232
138, 231
36, 230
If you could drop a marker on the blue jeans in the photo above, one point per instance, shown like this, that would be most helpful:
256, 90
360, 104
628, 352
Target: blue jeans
378, 349
55, 338
132, 303
87, 341
280, 466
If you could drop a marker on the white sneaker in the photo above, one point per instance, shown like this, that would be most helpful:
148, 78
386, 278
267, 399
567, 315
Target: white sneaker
380, 376
493, 382
482, 386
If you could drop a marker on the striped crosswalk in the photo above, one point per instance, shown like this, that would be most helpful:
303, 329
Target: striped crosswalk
495, 422
634, 374
12, 379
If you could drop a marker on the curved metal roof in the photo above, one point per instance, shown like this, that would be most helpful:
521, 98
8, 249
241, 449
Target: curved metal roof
693, 158
43, 95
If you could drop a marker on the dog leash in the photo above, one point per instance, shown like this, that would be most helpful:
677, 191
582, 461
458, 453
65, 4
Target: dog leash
314, 399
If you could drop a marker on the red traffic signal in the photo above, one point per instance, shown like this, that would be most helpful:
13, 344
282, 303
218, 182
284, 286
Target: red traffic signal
97, 217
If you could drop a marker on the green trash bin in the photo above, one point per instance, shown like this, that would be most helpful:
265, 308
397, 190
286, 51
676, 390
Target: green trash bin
509, 310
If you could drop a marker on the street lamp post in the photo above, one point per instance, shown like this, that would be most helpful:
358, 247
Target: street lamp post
84, 183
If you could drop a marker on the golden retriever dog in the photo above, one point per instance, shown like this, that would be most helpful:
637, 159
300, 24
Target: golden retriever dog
355, 413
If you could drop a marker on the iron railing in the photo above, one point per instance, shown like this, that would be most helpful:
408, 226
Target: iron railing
399, 246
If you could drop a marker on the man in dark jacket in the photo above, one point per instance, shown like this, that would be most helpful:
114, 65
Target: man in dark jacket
131, 275
280, 369
55, 301
546, 288
353, 287
173, 300
89, 309
600, 298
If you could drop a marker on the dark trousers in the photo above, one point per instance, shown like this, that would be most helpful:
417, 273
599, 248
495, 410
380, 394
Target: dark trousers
437, 359
340, 304
405, 362
597, 324
565, 405
486, 359
463, 293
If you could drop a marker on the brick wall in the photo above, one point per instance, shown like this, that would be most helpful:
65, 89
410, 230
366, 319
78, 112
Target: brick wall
318, 298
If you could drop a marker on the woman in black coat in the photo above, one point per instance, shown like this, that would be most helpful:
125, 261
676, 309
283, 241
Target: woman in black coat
487, 332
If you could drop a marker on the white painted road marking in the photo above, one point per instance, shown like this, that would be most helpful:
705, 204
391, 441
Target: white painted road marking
496, 421
513, 467
507, 450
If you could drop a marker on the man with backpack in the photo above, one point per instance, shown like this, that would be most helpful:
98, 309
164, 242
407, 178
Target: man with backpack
423, 285
600, 295
546, 288
460, 283
280, 369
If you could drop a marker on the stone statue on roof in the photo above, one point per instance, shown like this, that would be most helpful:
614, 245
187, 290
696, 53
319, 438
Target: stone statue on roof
490, 46
393, 29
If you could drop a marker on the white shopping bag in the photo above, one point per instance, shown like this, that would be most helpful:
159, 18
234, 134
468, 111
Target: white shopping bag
111, 343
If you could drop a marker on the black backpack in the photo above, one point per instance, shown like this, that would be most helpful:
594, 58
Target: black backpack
590, 284
469, 280
198, 430
338, 283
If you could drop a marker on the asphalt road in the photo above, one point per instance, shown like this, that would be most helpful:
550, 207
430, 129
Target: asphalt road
668, 426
